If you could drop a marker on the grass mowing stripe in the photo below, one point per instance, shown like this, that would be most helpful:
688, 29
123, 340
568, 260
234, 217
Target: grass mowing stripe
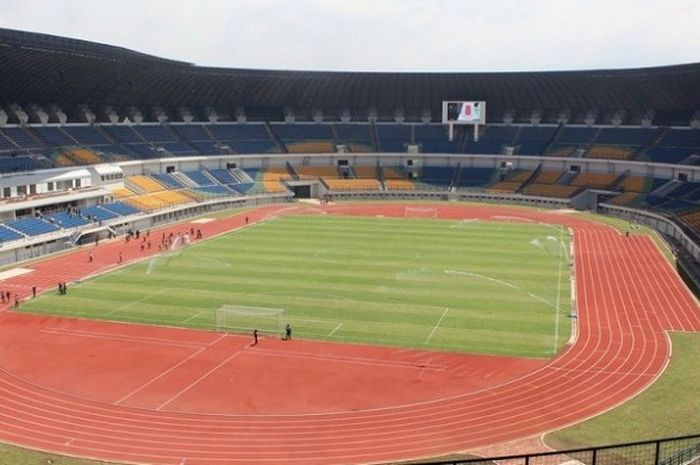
356, 279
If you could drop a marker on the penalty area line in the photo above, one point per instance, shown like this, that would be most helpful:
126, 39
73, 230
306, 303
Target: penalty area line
340, 325
437, 325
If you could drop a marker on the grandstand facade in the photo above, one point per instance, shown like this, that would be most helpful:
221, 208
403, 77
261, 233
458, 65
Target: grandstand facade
95, 138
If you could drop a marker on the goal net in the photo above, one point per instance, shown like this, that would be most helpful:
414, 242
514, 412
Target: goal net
420, 212
242, 318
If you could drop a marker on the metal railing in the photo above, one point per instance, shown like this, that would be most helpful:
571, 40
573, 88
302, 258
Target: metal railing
682, 450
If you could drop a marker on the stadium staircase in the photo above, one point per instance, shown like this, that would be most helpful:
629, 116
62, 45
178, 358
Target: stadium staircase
566, 178
283, 148
456, 178
184, 180
292, 173
175, 135
380, 176
530, 179
375, 136
553, 140
666, 188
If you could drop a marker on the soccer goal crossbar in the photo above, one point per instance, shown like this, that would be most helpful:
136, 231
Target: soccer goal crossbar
245, 318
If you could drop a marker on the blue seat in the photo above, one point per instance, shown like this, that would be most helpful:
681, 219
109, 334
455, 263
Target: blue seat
32, 226
120, 208
66, 220
7, 235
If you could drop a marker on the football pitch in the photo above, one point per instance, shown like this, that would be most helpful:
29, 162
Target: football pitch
499, 288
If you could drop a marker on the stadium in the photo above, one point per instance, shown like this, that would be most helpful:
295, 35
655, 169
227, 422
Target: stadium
455, 293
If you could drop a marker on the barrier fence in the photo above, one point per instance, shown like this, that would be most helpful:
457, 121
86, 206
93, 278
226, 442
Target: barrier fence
683, 450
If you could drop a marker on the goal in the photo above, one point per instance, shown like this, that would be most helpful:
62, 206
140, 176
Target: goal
242, 318
420, 212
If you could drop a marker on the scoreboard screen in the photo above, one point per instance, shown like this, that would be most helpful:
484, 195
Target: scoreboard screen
464, 112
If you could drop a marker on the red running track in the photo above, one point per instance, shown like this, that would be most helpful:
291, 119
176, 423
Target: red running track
628, 298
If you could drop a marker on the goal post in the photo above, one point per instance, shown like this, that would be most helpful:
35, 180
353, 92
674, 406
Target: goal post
244, 318
420, 212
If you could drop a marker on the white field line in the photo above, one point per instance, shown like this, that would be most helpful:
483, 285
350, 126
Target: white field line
335, 329
143, 386
437, 325
118, 337
558, 302
138, 301
193, 384
192, 317
504, 283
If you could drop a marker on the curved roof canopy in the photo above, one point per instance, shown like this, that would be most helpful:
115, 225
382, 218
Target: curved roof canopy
42, 69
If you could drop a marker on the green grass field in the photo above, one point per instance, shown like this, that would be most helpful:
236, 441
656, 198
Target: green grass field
464, 286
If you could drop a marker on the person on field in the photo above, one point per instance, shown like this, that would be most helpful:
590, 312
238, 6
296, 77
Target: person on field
120, 257
33, 292
255, 336
288, 332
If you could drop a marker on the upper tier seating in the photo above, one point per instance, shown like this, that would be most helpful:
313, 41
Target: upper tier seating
54, 136
22, 137
191, 132
433, 138
437, 175
154, 133
123, 134
577, 135
393, 137
475, 177
625, 136
86, 135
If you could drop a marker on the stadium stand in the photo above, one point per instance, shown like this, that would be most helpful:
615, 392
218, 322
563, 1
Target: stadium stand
393, 137
32, 226
475, 177
437, 176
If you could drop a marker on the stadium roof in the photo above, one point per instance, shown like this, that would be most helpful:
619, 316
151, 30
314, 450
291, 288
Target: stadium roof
42, 69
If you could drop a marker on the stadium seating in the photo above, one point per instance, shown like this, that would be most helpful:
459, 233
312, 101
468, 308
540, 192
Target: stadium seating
365, 171
610, 152
66, 220
475, 177
21, 137
199, 178
594, 180
7, 234
168, 181
120, 208
32, 226
86, 135
311, 147
97, 213
145, 183
433, 138
336, 184
123, 134
393, 137
437, 176
317, 171
54, 136
356, 136
512, 181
